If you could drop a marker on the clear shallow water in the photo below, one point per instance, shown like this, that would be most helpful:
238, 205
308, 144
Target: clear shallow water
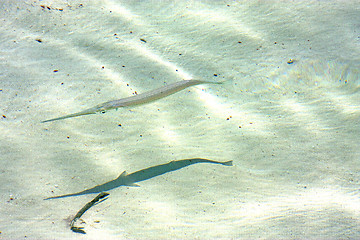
292, 130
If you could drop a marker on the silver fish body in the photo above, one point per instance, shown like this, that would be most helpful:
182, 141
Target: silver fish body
139, 99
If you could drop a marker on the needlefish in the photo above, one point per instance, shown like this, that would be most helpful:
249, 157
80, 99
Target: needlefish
139, 99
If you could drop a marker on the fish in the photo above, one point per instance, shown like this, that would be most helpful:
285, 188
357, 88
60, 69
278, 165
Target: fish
139, 99
131, 179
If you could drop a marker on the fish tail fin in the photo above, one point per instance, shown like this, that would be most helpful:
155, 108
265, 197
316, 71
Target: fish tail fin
228, 163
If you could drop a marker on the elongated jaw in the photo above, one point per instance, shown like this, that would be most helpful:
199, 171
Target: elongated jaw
68, 116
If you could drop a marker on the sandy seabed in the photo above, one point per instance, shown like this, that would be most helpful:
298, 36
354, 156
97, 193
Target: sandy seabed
287, 115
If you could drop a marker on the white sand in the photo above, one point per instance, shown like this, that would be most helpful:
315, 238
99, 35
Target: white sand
293, 130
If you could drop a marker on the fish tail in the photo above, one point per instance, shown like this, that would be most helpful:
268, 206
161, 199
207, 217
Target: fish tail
228, 163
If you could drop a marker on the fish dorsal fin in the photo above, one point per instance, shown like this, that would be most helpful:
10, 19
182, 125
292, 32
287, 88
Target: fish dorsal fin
123, 174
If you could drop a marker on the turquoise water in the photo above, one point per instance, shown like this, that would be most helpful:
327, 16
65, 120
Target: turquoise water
287, 115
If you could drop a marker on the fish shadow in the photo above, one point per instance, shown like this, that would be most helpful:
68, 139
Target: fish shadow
131, 179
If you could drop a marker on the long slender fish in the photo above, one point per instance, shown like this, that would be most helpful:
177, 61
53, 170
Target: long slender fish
137, 99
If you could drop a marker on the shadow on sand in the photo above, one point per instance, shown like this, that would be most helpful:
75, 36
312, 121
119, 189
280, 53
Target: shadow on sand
130, 179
